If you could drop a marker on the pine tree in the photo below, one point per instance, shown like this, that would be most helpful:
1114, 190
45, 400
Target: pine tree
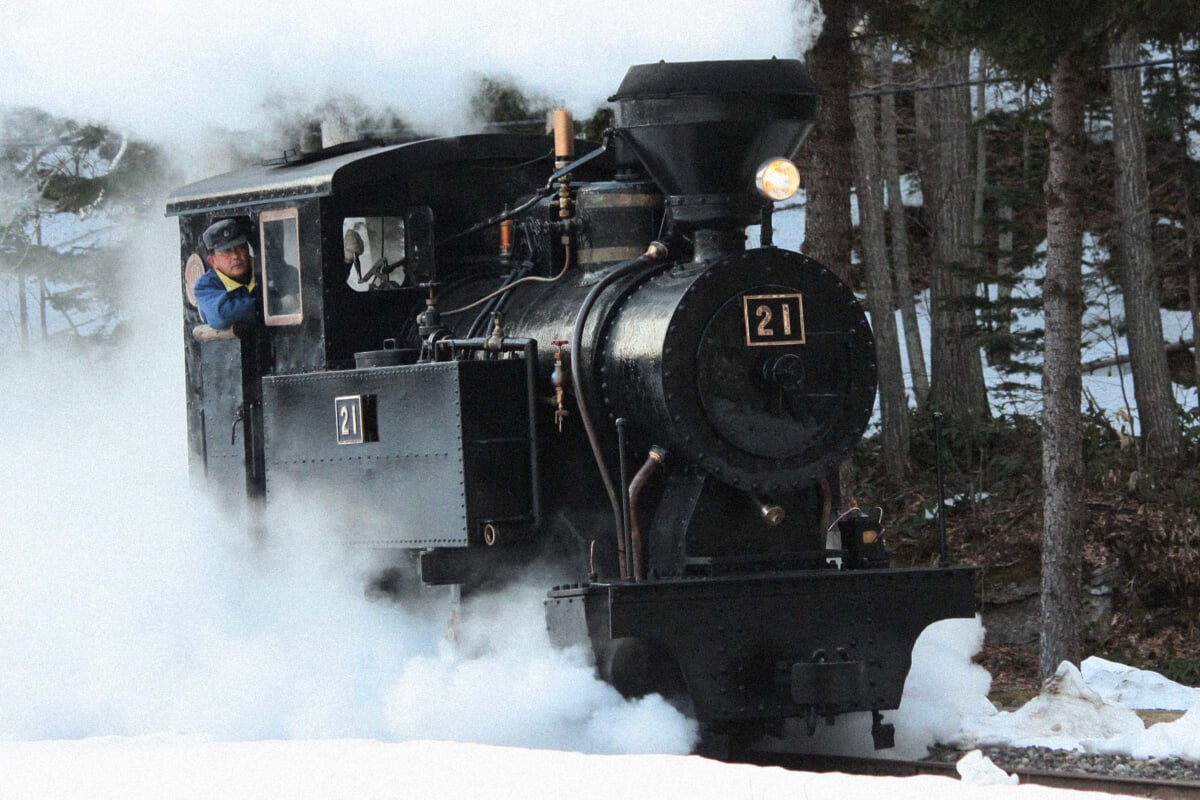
826, 162
1156, 407
893, 402
70, 191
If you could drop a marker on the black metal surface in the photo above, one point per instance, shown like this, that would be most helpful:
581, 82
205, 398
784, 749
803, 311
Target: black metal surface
387, 357
453, 448
223, 457
822, 682
618, 219
760, 77
676, 117
676, 361
346, 173
738, 640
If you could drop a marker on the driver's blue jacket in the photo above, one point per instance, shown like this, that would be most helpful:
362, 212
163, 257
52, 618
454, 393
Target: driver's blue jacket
223, 301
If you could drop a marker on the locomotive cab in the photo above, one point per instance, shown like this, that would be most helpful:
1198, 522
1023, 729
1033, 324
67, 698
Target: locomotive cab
343, 244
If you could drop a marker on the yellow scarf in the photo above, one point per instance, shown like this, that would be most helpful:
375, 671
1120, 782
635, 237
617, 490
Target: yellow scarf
231, 284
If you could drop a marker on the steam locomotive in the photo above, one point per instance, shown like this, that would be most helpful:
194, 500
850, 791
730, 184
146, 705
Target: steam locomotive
501, 350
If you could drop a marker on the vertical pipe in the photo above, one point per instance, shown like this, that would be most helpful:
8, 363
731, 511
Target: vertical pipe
653, 459
624, 477
531, 366
564, 136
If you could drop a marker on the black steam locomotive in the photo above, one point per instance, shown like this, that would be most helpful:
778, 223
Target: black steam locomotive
504, 349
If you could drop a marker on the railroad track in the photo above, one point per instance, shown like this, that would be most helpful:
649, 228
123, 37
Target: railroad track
1137, 787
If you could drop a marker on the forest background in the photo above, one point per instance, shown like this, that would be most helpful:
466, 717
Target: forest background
964, 149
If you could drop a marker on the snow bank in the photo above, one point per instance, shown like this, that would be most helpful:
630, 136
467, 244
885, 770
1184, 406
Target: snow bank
1136, 688
1178, 739
1065, 714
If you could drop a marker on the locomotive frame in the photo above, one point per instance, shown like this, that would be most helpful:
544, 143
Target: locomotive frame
620, 316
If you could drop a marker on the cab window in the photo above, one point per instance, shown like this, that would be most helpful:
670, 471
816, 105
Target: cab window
374, 253
279, 233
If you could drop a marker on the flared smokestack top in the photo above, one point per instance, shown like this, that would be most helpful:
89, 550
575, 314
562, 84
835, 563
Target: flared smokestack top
703, 128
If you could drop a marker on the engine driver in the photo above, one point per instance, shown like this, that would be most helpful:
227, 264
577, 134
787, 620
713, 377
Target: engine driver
227, 293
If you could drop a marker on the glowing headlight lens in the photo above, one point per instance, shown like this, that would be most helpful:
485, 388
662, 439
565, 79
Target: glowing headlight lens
778, 179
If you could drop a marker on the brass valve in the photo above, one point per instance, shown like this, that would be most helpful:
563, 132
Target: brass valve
495, 342
564, 151
559, 378
506, 232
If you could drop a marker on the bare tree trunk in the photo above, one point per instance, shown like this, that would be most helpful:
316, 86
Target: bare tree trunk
42, 299
22, 310
980, 161
1194, 308
1004, 271
1062, 438
957, 387
1156, 409
1190, 223
927, 165
893, 401
827, 167
899, 227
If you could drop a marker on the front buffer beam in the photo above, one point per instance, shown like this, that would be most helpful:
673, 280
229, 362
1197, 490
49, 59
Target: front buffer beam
767, 647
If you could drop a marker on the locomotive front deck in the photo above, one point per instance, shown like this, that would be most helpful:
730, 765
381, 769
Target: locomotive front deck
774, 645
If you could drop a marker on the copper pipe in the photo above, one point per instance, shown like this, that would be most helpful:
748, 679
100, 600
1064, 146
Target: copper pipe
564, 136
506, 232
653, 460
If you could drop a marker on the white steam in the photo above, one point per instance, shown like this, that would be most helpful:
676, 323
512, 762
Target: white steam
169, 71
807, 20
128, 605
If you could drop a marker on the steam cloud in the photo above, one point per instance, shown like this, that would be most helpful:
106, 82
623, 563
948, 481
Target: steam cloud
178, 72
131, 605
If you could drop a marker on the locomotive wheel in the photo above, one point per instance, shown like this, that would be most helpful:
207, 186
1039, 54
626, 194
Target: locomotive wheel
729, 741
638, 667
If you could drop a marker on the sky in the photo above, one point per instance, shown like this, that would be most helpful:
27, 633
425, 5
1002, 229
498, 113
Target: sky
169, 70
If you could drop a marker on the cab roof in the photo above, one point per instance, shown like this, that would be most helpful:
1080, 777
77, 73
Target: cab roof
335, 171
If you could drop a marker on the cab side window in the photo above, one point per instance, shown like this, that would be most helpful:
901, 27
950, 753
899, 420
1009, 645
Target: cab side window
280, 251
374, 253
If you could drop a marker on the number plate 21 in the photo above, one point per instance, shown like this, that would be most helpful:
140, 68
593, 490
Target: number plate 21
773, 319
355, 419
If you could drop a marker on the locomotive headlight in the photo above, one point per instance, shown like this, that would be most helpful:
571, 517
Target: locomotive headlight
777, 179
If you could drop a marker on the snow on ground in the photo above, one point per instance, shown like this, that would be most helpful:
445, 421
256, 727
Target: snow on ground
1074, 712
183, 768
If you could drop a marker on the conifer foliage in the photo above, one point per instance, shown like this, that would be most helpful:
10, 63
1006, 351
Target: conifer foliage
71, 193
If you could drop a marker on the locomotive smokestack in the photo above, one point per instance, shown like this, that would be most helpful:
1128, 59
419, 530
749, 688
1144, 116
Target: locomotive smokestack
702, 129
